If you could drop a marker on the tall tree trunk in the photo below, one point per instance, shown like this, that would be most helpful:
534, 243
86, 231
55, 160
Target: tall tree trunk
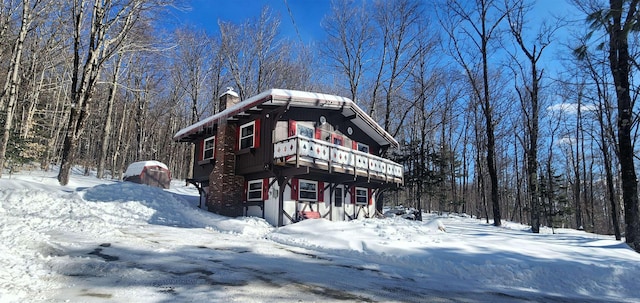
106, 130
577, 191
106, 16
619, 60
487, 110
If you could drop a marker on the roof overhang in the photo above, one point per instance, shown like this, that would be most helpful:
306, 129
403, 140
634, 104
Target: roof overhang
292, 98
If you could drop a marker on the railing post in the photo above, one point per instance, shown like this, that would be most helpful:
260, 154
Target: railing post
297, 151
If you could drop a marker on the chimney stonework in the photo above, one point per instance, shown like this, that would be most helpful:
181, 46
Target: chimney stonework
228, 99
226, 189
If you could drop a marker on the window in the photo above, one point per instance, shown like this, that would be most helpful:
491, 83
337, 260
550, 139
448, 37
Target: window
362, 196
307, 190
209, 147
338, 196
254, 190
337, 140
247, 135
304, 131
363, 148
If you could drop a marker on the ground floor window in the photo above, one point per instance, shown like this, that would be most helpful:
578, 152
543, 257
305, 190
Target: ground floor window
254, 190
308, 190
362, 196
338, 196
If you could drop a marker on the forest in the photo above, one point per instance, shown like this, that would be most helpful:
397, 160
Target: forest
500, 114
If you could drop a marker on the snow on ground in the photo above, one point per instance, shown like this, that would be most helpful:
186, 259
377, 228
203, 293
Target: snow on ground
108, 241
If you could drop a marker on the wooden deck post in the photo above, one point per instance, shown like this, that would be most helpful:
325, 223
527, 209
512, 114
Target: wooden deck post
282, 182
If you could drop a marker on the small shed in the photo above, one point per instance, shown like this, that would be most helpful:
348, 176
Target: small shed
153, 173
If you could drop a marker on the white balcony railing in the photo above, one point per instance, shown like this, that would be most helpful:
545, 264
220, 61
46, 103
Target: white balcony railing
301, 151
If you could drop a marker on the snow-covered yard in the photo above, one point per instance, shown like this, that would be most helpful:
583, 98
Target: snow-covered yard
106, 241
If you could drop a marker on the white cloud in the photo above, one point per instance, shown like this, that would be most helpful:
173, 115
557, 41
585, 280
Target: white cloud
566, 140
571, 108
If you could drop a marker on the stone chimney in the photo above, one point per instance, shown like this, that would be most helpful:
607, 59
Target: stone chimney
226, 189
228, 99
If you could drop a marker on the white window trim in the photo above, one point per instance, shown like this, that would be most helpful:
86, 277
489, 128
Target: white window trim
249, 190
205, 149
253, 135
300, 190
366, 195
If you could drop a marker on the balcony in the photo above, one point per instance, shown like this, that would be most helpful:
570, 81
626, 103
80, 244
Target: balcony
302, 151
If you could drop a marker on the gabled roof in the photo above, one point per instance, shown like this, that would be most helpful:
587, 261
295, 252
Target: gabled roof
136, 168
293, 98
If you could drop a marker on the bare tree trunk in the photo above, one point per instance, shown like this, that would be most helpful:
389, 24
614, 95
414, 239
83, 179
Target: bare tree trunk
106, 130
619, 61
110, 25
577, 190
481, 30
11, 85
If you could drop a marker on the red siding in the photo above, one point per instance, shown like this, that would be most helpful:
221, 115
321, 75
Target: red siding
237, 145
265, 189
256, 134
292, 128
246, 190
320, 191
294, 189
200, 149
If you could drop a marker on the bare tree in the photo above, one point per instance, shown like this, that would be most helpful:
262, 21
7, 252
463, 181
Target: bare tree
529, 93
191, 68
400, 24
477, 24
106, 130
349, 40
110, 24
595, 67
251, 51
10, 89
618, 20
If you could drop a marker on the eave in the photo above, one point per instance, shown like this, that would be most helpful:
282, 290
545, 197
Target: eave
292, 98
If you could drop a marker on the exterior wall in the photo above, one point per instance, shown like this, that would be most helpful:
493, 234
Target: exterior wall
225, 174
225, 191
328, 208
201, 168
225, 187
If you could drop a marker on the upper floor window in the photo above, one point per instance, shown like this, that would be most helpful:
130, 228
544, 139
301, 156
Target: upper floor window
247, 135
254, 190
304, 131
209, 146
363, 148
308, 190
337, 139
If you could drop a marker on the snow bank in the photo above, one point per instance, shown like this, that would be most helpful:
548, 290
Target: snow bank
58, 241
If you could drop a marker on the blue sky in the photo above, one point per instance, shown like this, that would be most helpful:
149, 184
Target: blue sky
307, 14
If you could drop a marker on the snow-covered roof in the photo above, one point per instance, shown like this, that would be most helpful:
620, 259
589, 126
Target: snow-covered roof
136, 168
294, 98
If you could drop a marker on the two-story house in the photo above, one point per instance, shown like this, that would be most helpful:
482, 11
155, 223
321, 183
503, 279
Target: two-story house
286, 155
